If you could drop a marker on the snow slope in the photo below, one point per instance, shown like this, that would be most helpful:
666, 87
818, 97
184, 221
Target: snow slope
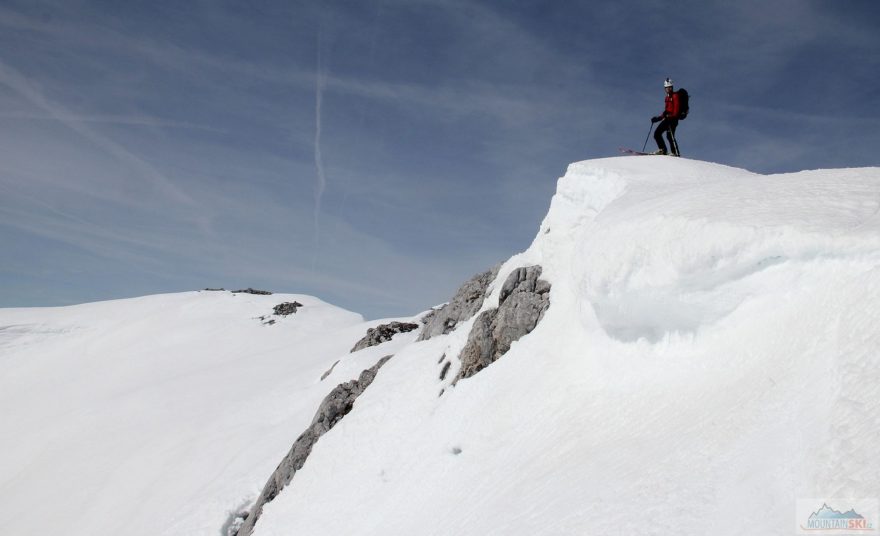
710, 356
162, 414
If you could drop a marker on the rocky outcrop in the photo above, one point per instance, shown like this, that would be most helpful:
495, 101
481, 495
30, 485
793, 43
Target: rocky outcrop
333, 408
465, 304
383, 333
286, 308
521, 305
282, 309
250, 290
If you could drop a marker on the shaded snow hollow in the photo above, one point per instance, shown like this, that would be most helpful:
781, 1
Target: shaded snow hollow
709, 356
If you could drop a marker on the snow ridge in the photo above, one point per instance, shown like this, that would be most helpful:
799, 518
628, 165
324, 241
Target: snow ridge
709, 350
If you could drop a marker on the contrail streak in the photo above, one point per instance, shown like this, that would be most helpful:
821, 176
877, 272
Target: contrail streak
320, 81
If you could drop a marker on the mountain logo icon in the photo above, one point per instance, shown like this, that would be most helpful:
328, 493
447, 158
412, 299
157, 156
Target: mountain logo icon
827, 518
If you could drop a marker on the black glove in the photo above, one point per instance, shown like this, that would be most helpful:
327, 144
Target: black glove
655, 119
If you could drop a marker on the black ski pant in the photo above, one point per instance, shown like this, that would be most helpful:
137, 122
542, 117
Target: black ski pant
668, 126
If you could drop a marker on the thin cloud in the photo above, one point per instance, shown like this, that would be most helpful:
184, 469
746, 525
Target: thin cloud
11, 78
132, 120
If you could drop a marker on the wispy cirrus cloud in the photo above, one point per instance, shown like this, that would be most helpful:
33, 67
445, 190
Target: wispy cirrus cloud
133, 120
20, 84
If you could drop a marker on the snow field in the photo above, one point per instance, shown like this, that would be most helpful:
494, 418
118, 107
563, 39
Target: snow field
161, 414
710, 355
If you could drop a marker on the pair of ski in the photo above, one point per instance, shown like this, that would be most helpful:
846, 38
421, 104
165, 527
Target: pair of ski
625, 150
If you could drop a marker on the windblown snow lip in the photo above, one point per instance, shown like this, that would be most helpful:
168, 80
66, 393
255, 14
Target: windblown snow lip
663, 246
581, 194
704, 272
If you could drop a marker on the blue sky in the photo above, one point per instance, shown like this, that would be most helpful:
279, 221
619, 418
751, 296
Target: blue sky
377, 153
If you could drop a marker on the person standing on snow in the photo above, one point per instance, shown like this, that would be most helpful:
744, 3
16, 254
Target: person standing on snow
668, 121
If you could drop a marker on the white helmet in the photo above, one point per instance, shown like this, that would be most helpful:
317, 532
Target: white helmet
667, 83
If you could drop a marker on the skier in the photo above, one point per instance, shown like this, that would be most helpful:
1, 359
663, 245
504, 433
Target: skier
668, 121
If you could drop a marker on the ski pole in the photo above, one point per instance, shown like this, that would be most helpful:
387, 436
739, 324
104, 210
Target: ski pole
674, 142
648, 136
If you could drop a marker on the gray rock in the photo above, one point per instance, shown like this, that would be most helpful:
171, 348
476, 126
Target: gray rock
444, 370
522, 302
523, 279
329, 371
383, 333
286, 308
480, 350
333, 408
465, 304
250, 290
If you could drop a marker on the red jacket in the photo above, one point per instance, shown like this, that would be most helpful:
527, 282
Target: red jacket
672, 106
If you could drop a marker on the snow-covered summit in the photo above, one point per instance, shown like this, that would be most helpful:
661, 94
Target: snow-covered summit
662, 246
709, 350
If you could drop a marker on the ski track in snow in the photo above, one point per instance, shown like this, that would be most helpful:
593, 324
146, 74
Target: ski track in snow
709, 356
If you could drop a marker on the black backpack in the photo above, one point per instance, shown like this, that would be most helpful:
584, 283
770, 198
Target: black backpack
683, 108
